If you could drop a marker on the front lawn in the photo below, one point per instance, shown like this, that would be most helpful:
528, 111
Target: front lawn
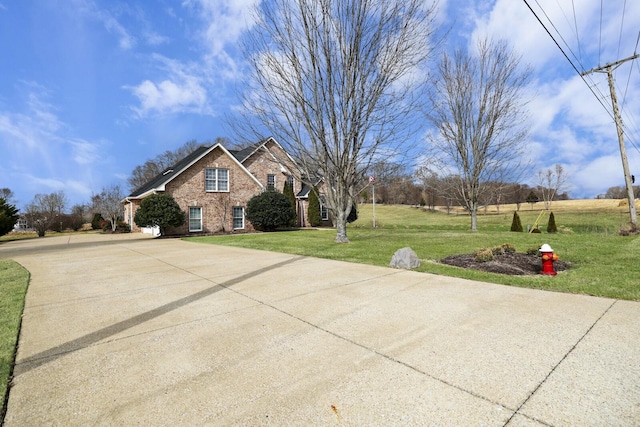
13, 287
604, 263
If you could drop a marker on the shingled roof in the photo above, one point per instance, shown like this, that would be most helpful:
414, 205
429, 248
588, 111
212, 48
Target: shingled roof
159, 181
168, 174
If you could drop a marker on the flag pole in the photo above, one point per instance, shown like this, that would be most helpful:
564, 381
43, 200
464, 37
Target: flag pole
373, 189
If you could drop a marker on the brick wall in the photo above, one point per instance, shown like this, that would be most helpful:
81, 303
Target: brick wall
188, 189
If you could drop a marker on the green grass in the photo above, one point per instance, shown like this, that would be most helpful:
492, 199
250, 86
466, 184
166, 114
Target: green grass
604, 264
13, 287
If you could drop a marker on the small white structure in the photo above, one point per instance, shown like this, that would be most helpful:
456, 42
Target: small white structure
154, 231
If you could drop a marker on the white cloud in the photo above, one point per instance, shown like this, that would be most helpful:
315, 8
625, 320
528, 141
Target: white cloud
126, 41
170, 97
182, 92
42, 155
154, 39
39, 123
225, 21
84, 152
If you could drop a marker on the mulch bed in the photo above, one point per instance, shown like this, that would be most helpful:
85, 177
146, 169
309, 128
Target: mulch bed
512, 263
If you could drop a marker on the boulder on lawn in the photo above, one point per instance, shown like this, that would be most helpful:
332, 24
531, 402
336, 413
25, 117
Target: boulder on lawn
405, 258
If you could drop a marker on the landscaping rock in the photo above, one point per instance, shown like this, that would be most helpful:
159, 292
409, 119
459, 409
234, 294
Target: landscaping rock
405, 258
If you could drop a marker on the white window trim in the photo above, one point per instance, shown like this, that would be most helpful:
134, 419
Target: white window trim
216, 181
233, 217
324, 212
274, 182
192, 230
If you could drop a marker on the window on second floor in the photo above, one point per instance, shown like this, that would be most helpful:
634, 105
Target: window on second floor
216, 179
271, 182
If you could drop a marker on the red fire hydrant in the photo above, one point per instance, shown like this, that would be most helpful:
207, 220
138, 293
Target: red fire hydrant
548, 257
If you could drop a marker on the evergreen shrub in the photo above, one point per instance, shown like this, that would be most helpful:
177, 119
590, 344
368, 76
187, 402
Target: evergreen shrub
516, 224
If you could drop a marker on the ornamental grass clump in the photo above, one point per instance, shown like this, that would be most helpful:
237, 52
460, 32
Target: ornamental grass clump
508, 248
484, 255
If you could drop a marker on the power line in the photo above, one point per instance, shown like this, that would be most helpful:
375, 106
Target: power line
624, 9
567, 57
575, 24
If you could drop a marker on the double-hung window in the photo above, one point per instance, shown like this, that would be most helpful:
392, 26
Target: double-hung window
324, 213
271, 182
195, 219
216, 179
238, 217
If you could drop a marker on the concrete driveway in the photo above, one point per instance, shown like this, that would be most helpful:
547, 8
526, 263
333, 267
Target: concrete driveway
128, 330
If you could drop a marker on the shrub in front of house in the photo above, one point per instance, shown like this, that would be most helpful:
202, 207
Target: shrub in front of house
313, 211
269, 211
159, 210
288, 191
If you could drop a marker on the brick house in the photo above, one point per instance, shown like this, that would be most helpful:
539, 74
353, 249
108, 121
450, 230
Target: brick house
213, 185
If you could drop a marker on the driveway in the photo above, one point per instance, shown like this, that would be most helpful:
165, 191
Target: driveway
129, 330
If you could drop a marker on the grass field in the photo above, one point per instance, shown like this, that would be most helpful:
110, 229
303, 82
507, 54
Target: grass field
13, 287
604, 263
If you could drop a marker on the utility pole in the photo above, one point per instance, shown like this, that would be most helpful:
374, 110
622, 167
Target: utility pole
608, 68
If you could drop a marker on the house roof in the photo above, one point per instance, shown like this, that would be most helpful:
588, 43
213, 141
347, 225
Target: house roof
246, 152
159, 182
307, 187
168, 174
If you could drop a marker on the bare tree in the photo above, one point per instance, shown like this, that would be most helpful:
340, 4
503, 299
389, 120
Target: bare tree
337, 83
551, 182
478, 109
44, 210
108, 203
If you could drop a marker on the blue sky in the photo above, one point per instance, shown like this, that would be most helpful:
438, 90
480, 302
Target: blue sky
92, 88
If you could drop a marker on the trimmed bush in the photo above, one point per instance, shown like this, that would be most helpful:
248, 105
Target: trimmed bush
551, 225
269, 210
288, 191
159, 210
313, 211
516, 225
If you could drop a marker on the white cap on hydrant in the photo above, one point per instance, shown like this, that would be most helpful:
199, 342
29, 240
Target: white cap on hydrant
545, 248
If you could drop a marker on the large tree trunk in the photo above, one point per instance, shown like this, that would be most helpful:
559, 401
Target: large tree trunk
474, 216
474, 220
341, 227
